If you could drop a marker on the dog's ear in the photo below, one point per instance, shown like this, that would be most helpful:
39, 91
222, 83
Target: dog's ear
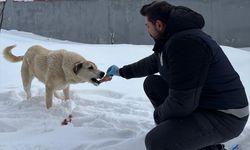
77, 67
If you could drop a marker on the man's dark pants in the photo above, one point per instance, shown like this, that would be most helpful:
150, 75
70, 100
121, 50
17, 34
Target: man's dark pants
203, 129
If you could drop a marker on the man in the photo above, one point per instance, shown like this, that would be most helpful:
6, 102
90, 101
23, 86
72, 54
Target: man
198, 97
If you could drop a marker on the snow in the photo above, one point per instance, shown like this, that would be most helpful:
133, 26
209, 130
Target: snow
113, 116
246, 48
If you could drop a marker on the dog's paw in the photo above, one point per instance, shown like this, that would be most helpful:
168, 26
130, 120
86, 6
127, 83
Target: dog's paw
67, 120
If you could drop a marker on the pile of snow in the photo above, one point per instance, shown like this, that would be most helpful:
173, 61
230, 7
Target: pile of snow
113, 116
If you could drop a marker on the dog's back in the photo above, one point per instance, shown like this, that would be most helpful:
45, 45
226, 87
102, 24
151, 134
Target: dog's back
34, 52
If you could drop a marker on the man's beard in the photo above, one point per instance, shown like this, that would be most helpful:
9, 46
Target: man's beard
152, 37
156, 38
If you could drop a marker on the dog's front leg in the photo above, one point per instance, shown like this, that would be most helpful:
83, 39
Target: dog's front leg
66, 93
49, 96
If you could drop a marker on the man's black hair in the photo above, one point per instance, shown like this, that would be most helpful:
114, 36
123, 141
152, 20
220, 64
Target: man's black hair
157, 10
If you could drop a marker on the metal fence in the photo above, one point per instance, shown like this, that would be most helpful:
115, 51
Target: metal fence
119, 21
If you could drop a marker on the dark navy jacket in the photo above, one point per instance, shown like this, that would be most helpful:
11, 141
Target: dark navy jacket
198, 73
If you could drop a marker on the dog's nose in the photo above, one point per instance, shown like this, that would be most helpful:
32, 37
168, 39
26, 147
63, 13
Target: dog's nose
102, 74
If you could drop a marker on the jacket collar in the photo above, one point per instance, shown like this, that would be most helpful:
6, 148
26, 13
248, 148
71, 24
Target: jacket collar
159, 43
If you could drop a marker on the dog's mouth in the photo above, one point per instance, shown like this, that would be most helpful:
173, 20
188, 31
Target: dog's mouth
95, 81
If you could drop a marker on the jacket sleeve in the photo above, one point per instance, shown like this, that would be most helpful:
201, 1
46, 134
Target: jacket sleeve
188, 61
143, 67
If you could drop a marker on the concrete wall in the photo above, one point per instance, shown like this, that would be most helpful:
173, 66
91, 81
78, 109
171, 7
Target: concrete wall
119, 21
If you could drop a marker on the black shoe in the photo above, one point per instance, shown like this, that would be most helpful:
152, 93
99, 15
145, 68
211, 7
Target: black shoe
214, 147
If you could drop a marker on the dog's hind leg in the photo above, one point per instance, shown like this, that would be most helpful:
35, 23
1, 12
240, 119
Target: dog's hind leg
49, 96
66, 93
27, 78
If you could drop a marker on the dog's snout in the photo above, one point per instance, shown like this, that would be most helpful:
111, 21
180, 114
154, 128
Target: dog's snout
102, 74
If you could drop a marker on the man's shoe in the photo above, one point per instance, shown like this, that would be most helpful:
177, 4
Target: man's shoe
214, 147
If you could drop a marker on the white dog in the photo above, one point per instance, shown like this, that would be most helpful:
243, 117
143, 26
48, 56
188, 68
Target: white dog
56, 69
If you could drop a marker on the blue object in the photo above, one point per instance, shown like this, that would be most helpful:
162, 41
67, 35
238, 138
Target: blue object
235, 147
113, 71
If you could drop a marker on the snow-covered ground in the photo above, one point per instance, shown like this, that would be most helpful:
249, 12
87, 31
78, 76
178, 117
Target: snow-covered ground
246, 48
113, 116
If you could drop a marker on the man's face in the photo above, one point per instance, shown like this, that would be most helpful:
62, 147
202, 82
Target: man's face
156, 29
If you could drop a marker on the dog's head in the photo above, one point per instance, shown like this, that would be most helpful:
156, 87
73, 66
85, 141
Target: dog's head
88, 72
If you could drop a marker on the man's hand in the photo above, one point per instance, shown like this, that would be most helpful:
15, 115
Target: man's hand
113, 71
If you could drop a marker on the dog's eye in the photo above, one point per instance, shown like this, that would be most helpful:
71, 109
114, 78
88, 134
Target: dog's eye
91, 68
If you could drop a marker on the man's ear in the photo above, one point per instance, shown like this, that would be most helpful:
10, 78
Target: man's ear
77, 67
160, 25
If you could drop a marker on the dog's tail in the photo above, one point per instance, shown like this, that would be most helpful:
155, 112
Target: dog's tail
9, 56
